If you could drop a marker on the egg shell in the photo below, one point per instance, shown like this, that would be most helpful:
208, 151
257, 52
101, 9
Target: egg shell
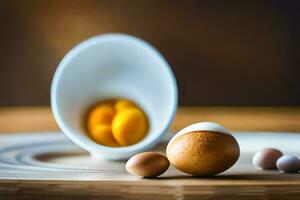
147, 164
288, 164
203, 149
266, 158
203, 126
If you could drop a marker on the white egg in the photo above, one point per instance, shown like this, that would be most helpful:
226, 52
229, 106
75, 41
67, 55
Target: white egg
288, 164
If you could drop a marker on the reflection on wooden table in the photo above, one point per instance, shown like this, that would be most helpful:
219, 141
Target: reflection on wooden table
287, 119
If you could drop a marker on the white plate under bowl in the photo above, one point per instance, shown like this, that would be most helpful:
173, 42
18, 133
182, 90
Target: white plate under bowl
52, 156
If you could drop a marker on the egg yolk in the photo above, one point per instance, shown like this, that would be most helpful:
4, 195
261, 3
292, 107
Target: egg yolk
129, 126
101, 114
116, 123
124, 104
102, 134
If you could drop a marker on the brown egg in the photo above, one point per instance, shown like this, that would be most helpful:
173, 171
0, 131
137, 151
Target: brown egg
203, 149
147, 164
267, 158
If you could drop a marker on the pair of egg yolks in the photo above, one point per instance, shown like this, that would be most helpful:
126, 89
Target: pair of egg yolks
117, 123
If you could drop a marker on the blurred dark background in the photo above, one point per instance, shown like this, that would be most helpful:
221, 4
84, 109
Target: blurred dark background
222, 53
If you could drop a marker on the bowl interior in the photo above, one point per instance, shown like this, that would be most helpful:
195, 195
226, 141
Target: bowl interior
113, 66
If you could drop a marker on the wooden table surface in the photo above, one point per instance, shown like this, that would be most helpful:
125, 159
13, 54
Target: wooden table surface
29, 119
242, 182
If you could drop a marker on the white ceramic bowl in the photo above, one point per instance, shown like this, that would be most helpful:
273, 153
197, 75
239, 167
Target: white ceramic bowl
108, 66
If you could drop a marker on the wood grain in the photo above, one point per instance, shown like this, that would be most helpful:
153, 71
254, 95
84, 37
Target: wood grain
30, 119
148, 190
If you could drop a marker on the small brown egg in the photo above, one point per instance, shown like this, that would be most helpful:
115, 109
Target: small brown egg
288, 164
266, 158
203, 149
147, 164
